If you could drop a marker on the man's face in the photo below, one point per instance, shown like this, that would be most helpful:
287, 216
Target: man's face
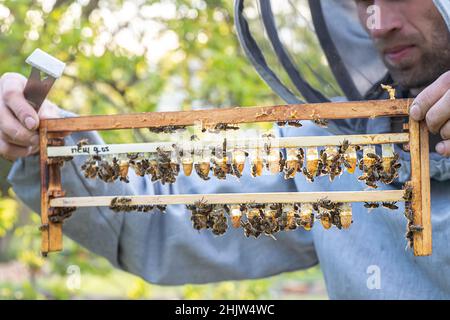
411, 37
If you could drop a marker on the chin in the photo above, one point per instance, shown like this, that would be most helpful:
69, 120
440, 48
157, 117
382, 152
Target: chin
411, 80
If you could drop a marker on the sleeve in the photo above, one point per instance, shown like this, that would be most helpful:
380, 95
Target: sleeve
164, 248
94, 228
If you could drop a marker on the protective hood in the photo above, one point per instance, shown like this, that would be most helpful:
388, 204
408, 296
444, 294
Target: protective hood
319, 40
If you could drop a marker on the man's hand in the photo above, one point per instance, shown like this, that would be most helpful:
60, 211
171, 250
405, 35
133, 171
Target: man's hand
433, 105
18, 120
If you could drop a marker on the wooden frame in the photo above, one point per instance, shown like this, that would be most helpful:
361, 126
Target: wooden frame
51, 142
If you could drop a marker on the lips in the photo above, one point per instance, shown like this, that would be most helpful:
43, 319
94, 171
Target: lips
398, 53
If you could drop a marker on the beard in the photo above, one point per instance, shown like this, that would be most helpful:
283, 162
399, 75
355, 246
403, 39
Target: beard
433, 62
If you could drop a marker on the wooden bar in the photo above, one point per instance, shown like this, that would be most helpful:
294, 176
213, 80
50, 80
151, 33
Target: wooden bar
232, 198
416, 176
331, 110
54, 190
424, 219
44, 196
284, 142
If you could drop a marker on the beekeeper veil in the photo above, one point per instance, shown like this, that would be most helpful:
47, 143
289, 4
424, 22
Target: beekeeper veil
322, 41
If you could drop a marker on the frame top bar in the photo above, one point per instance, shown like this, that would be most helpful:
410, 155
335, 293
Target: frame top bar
329, 110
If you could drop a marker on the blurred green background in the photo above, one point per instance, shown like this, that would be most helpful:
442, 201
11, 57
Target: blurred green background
126, 56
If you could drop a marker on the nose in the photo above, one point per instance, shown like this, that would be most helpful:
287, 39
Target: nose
387, 18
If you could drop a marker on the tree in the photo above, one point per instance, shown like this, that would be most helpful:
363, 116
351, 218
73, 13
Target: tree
122, 56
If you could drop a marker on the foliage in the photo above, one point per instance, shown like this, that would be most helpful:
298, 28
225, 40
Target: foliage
8, 215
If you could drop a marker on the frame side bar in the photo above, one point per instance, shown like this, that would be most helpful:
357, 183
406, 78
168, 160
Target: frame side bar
416, 183
44, 194
426, 235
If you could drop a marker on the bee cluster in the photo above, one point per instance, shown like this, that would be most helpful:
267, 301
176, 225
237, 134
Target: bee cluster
123, 204
58, 215
268, 219
379, 168
220, 162
411, 228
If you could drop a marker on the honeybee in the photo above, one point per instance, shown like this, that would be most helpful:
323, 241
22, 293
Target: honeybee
249, 230
145, 208
324, 203
390, 205
235, 170
325, 219
225, 126
270, 222
200, 211
268, 135
408, 191
371, 205
301, 158
82, 142
331, 161
90, 168
239, 157
292, 163
294, 123
163, 168
308, 176
289, 216
167, 129
119, 204
370, 158
350, 159
257, 164
306, 217
255, 216
323, 123
221, 168
153, 170
202, 170
415, 228
217, 221
343, 147
109, 172
411, 228
58, 215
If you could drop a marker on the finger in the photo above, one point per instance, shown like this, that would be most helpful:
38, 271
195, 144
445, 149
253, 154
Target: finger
22, 143
12, 152
445, 131
443, 148
12, 92
429, 96
439, 114
14, 131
